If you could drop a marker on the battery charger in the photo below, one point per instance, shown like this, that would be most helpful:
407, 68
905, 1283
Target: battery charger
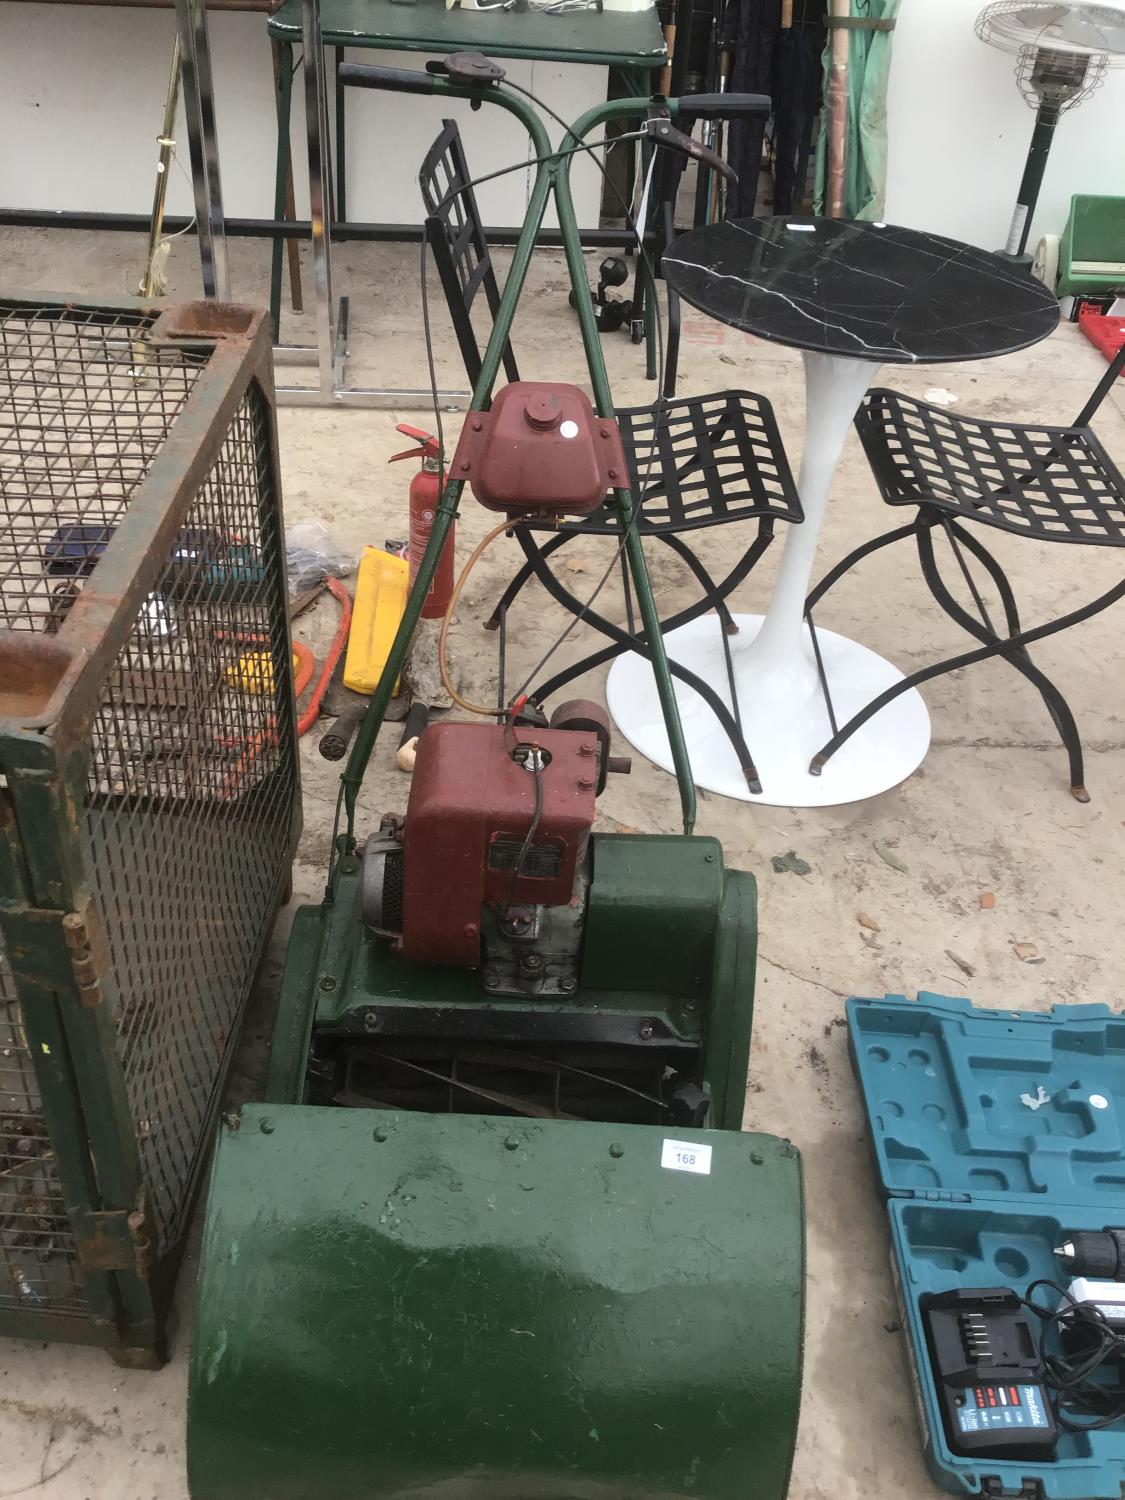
988, 1374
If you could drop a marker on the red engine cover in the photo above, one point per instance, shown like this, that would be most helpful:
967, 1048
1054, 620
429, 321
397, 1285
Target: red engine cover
541, 450
470, 808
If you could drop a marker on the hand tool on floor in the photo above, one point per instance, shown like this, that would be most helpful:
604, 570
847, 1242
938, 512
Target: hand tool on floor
412, 726
495, 1231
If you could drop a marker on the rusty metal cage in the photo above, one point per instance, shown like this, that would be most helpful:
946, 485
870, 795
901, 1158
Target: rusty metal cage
149, 788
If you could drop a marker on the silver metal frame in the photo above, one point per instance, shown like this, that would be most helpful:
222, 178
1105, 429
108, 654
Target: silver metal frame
330, 353
199, 108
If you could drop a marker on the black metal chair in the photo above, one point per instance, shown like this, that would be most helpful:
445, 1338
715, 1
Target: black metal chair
455, 234
1050, 484
694, 462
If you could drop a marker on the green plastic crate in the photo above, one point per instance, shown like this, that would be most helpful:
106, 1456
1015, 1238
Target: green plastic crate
1092, 249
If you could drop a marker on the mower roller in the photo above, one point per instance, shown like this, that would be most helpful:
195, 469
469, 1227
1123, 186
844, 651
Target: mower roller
496, 1233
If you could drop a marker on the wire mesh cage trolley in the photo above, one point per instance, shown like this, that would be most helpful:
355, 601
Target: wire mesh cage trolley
149, 788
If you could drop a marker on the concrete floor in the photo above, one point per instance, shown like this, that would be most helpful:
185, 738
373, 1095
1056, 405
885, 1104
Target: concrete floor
988, 812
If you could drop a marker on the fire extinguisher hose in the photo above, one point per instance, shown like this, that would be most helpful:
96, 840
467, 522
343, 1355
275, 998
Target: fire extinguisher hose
462, 579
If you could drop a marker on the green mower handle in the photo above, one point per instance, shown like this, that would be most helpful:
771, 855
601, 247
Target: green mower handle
415, 81
553, 176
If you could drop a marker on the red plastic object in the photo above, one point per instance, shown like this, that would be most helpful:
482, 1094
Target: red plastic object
306, 666
470, 809
540, 451
425, 492
1105, 333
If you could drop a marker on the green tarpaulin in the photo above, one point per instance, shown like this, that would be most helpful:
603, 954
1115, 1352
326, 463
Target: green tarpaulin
865, 136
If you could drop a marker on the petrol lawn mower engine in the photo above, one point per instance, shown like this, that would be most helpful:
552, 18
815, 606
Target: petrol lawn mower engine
490, 869
491, 876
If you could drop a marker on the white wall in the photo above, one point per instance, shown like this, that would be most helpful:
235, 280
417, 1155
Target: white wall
82, 91
82, 100
959, 132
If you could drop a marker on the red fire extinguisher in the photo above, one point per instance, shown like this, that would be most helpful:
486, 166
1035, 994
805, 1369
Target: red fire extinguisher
425, 491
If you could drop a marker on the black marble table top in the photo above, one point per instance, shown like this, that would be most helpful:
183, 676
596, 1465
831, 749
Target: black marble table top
872, 291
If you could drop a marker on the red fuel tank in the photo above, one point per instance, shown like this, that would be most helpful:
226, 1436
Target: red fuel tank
541, 450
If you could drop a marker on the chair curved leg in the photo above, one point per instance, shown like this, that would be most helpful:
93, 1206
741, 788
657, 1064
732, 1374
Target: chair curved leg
1056, 704
1022, 638
726, 619
994, 571
702, 577
607, 653
627, 642
526, 572
900, 533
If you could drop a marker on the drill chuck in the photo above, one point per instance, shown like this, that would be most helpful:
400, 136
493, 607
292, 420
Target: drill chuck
1095, 1253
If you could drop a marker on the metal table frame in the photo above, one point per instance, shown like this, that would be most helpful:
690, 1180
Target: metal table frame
330, 352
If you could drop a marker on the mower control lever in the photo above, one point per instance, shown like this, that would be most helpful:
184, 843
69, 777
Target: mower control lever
467, 68
661, 133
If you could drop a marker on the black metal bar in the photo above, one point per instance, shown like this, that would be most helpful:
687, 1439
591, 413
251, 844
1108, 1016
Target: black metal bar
1102, 389
995, 572
502, 664
454, 299
672, 343
283, 82
845, 565
702, 577
627, 586
525, 575
1046, 119
407, 234
970, 581
341, 205
821, 673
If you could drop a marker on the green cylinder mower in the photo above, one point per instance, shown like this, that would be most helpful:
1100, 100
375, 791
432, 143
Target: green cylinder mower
496, 1234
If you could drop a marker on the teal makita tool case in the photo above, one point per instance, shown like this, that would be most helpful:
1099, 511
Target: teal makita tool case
995, 1132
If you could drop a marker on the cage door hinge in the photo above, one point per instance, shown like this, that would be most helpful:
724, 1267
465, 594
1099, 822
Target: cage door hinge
83, 939
118, 1239
40, 964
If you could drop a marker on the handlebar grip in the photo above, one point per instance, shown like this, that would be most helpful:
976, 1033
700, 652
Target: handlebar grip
726, 106
335, 741
396, 80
